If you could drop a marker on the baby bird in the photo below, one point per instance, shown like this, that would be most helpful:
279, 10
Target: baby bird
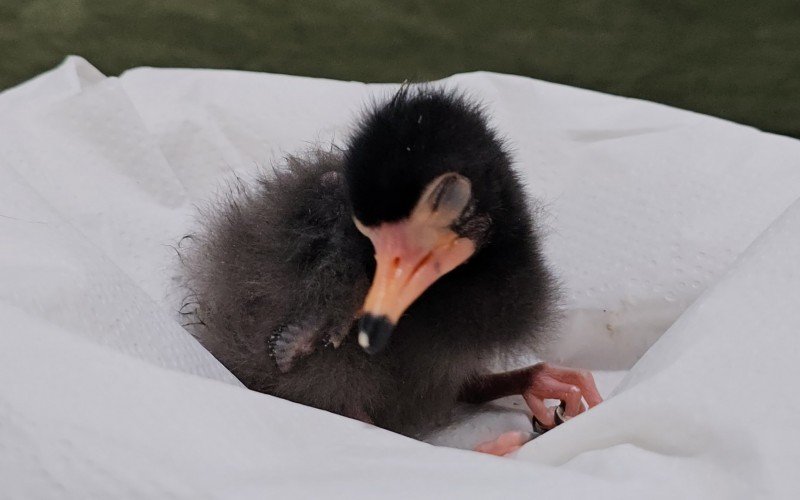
383, 280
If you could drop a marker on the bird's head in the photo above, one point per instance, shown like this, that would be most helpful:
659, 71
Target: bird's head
423, 173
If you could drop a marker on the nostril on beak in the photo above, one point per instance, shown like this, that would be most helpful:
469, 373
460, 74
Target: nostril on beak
374, 332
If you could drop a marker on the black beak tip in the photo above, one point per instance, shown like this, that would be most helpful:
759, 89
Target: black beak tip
374, 332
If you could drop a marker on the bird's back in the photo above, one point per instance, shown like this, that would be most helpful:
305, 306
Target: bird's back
276, 253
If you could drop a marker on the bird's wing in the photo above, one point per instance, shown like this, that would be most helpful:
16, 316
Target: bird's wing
289, 343
280, 267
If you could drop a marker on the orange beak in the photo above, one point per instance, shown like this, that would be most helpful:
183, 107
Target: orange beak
411, 255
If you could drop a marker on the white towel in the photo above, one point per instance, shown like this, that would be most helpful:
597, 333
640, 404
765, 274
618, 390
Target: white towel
651, 214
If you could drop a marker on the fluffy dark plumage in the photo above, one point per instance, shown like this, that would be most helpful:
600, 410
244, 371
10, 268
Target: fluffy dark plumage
285, 253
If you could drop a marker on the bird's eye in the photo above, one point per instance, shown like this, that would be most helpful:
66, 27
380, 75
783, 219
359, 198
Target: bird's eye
447, 196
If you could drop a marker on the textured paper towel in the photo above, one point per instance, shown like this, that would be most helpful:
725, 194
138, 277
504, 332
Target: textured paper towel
647, 208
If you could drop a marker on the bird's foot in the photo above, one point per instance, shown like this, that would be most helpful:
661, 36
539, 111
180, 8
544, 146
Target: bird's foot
506, 443
571, 387
538, 383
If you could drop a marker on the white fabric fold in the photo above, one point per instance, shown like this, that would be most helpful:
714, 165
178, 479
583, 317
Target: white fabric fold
652, 215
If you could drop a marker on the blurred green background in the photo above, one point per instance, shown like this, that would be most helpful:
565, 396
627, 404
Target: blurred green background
738, 59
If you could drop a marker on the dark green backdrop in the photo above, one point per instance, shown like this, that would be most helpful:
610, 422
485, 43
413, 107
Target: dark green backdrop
738, 59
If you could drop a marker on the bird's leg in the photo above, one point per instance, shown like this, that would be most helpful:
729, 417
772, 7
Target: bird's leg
535, 383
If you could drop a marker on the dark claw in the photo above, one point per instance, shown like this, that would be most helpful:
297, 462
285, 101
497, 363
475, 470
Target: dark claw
558, 417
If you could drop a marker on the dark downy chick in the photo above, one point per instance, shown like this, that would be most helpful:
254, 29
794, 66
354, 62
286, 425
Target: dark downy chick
382, 281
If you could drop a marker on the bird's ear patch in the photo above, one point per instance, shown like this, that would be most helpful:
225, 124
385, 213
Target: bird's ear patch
362, 228
444, 199
442, 202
